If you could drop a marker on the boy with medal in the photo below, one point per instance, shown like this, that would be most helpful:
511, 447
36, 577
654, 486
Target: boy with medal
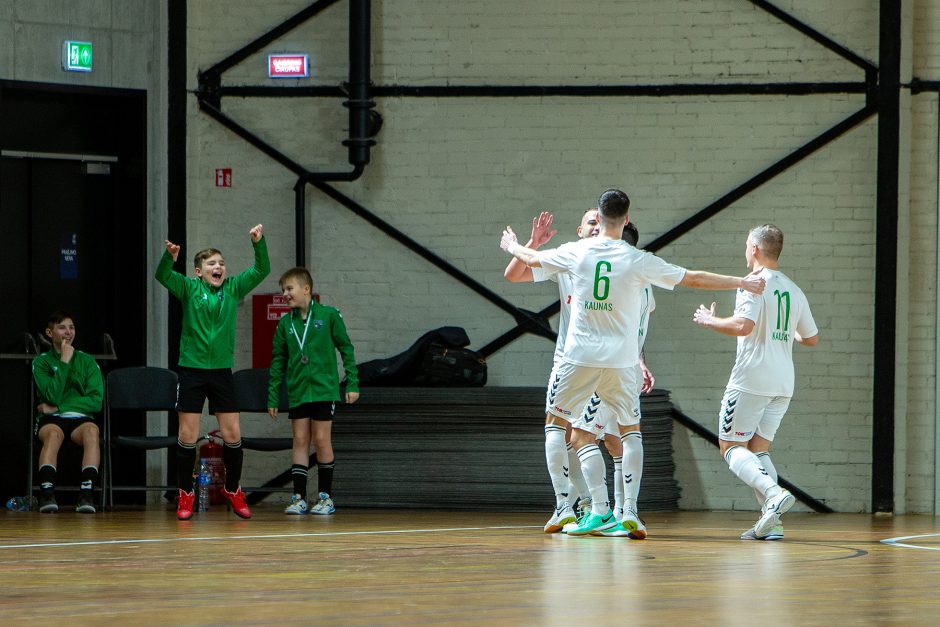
304, 352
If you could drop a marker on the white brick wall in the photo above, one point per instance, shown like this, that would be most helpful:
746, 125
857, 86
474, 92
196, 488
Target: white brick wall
450, 172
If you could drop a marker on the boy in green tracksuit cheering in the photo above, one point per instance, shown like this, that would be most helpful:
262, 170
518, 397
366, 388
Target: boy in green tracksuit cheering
304, 351
70, 390
207, 354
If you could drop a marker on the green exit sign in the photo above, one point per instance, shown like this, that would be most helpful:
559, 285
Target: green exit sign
76, 56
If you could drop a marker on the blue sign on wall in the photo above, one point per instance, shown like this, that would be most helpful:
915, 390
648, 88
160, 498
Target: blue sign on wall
68, 261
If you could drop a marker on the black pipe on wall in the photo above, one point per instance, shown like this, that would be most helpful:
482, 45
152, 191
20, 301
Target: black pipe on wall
359, 86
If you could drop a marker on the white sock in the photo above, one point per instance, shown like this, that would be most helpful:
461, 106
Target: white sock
632, 467
556, 458
577, 488
618, 484
745, 465
595, 473
764, 459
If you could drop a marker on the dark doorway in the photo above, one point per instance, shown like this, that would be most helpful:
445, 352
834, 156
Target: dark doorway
73, 206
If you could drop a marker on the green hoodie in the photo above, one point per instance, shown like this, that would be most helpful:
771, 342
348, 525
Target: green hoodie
317, 380
207, 340
75, 387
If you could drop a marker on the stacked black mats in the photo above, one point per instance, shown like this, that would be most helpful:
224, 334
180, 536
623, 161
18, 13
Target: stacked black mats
474, 448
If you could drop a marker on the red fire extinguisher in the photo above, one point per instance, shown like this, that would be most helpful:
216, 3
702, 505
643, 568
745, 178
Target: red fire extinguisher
211, 451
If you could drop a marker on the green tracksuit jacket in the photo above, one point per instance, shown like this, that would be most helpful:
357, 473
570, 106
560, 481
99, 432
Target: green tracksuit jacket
209, 314
317, 380
75, 387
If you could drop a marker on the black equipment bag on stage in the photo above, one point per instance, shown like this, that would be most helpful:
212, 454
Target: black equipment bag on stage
437, 359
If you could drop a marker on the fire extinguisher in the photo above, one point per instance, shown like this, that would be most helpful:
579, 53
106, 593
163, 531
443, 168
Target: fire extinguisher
211, 451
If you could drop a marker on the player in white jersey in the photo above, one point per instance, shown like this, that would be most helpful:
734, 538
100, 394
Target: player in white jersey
601, 347
563, 465
761, 383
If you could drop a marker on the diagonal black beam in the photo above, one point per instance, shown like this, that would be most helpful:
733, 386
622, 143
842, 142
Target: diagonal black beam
272, 35
522, 317
678, 231
522, 91
816, 36
694, 426
207, 107
762, 177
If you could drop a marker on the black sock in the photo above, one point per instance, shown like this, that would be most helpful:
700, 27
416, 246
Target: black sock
325, 477
298, 473
89, 478
47, 477
232, 456
185, 460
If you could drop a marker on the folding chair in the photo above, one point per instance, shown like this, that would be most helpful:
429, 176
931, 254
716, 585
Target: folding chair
251, 390
143, 388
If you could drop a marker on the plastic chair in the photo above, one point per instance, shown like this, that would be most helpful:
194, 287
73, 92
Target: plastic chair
251, 390
144, 388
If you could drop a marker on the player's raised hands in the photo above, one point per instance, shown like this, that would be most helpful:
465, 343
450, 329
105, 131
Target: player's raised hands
753, 283
542, 230
508, 240
704, 315
255, 233
172, 248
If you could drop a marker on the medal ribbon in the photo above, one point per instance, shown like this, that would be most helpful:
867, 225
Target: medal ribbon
301, 341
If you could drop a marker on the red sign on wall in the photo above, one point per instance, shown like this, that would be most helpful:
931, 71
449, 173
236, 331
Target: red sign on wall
266, 311
223, 177
288, 66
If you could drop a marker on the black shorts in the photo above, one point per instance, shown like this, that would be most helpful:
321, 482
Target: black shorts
198, 384
68, 425
318, 410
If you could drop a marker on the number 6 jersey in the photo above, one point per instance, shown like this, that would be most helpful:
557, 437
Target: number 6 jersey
764, 362
608, 279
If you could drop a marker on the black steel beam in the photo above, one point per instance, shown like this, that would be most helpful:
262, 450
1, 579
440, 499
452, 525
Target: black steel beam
816, 36
761, 177
918, 86
521, 316
272, 35
695, 427
580, 91
886, 256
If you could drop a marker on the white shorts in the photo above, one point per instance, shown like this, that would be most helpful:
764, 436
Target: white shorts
745, 415
576, 393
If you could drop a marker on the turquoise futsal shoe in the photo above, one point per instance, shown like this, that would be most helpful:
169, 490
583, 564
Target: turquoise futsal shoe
594, 522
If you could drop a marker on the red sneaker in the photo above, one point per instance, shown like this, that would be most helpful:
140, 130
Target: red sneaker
184, 506
236, 500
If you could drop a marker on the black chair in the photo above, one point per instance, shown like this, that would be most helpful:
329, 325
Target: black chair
251, 390
143, 388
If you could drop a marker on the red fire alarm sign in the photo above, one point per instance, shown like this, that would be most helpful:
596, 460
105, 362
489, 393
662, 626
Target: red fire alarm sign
223, 177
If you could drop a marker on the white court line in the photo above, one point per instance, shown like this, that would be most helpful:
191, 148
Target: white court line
897, 542
258, 537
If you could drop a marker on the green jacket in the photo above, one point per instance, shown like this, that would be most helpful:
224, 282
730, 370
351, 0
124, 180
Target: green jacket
209, 314
75, 387
317, 380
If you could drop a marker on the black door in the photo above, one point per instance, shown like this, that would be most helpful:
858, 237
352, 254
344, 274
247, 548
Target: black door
74, 241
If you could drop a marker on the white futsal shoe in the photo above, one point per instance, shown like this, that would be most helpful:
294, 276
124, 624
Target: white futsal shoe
562, 516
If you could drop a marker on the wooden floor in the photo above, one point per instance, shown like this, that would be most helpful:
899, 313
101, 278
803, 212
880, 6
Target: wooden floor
365, 567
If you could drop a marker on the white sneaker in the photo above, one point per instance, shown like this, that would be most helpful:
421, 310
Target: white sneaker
775, 533
297, 505
772, 509
584, 508
561, 517
631, 521
324, 506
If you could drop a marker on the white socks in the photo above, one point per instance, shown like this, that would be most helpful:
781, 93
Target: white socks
764, 459
748, 469
595, 473
577, 487
556, 458
618, 484
632, 467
